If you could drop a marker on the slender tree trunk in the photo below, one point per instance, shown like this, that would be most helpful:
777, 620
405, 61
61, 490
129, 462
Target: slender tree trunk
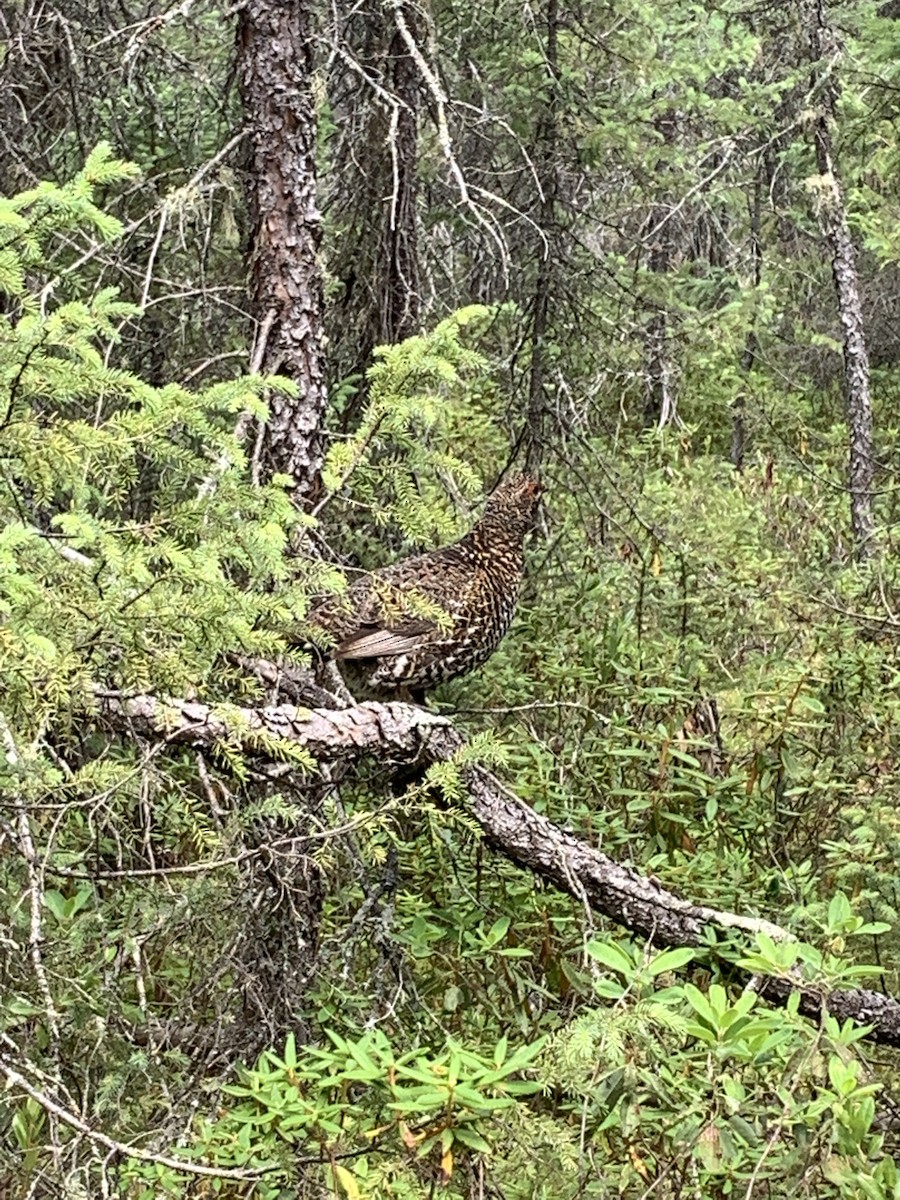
401, 302
547, 139
824, 54
751, 345
275, 63
661, 407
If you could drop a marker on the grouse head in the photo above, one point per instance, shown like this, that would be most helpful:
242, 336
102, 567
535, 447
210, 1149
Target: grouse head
512, 507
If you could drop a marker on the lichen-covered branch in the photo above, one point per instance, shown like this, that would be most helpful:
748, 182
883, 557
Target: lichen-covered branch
395, 732
825, 54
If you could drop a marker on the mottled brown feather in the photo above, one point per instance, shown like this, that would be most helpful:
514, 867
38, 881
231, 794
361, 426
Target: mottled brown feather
435, 616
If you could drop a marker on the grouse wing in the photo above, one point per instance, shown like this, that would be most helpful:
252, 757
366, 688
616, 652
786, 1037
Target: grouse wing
375, 642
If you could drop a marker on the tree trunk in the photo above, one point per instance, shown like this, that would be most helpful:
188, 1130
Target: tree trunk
751, 344
547, 138
401, 303
275, 63
661, 404
275, 955
824, 54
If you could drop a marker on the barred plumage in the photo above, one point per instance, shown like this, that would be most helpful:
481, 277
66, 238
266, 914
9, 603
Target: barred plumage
432, 617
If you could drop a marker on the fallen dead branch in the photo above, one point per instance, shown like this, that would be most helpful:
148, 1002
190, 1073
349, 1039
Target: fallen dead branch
404, 734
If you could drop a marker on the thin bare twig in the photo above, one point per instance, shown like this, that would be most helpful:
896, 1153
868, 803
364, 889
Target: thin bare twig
16, 1079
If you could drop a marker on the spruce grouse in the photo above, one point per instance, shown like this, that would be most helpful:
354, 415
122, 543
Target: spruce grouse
432, 617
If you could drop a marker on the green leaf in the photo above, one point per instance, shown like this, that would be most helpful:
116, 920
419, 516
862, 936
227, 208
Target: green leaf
56, 903
612, 956
497, 932
701, 1005
290, 1052
671, 960
469, 1137
346, 1181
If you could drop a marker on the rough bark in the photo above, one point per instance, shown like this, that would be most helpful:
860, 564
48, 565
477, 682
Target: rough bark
275, 65
824, 53
275, 955
403, 733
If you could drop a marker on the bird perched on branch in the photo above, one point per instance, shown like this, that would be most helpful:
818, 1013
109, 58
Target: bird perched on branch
432, 617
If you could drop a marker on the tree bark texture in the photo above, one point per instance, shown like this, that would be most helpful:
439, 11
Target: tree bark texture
824, 54
275, 65
403, 733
